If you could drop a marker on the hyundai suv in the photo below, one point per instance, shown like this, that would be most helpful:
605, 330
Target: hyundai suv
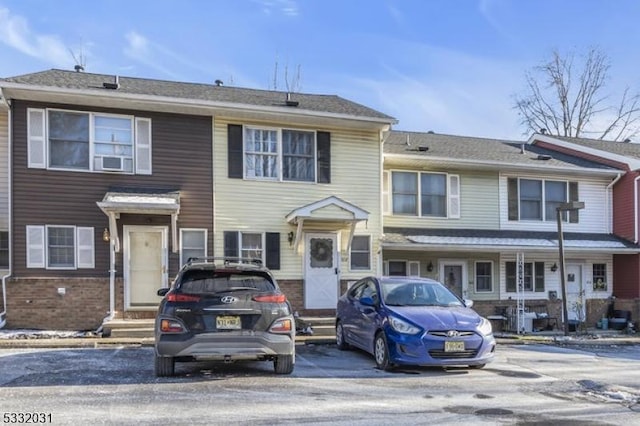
224, 309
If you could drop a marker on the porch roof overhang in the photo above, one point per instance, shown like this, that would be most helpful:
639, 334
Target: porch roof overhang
465, 240
156, 203
332, 212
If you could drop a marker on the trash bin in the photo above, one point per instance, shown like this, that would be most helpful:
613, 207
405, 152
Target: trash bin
605, 323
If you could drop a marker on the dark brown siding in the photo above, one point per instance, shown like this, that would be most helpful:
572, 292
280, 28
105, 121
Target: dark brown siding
182, 160
626, 273
623, 207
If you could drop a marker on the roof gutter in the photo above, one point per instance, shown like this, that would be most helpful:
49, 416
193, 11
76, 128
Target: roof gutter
3, 314
501, 248
152, 99
501, 165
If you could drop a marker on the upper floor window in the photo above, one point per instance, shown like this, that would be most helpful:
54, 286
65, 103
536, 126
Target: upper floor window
278, 154
74, 140
538, 199
425, 194
284, 154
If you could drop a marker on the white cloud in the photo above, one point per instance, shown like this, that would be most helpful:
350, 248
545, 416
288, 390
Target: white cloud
15, 33
286, 7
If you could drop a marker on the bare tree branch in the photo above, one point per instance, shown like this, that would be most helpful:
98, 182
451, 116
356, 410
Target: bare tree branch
568, 98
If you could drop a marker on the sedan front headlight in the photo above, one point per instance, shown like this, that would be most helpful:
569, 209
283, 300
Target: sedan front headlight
485, 327
401, 326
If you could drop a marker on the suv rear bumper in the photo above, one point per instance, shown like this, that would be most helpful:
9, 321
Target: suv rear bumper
226, 346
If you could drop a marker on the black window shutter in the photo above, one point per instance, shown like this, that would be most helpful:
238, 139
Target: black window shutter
512, 189
574, 215
234, 148
511, 276
539, 276
231, 240
324, 157
273, 250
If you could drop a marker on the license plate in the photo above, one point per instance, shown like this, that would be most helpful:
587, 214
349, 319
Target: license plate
228, 323
450, 346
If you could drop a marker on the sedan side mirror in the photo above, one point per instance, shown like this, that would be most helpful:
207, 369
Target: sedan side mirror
468, 303
163, 291
367, 301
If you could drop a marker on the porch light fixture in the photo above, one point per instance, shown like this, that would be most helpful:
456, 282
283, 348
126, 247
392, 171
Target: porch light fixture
430, 267
554, 267
106, 236
564, 207
290, 238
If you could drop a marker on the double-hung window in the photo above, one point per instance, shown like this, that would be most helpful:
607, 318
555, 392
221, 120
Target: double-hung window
279, 154
533, 277
402, 268
484, 277
599, 277
425, 194
251, 245
60, 247
538, 199
360, 253
4, 250
193, 243
77, 140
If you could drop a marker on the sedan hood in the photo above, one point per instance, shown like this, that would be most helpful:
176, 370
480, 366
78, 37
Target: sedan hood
438, 318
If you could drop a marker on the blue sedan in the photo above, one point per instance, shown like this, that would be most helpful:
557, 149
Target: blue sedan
412, 321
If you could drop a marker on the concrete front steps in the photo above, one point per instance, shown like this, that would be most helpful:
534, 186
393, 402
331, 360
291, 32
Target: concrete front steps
323, 329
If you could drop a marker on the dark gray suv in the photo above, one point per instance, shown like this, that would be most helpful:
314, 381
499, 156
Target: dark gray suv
224, 309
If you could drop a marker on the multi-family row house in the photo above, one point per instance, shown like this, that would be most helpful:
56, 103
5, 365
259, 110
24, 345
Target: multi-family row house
108, 185
464, 210
116, 182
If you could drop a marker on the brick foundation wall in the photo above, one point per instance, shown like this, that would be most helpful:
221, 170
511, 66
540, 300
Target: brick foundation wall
35, 303
294, 289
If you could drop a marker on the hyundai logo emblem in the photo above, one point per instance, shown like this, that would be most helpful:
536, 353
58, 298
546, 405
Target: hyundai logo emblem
452, 333
229, 299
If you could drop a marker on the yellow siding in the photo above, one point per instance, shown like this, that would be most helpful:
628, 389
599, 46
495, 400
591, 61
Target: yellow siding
261, 206
332, 212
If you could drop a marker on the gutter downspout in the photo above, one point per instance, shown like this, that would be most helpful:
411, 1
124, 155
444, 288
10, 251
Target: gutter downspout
3, 314
609, 190
635, 209
383, 135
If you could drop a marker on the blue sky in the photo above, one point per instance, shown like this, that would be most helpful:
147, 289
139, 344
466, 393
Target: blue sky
451, 66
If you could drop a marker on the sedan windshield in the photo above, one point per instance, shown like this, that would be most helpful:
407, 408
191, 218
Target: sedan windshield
408, 293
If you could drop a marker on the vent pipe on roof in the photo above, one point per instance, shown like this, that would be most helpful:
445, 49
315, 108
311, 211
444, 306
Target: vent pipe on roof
543, 131
78, 68
291, 102
218, 82
627, 140
407, 142
522, 149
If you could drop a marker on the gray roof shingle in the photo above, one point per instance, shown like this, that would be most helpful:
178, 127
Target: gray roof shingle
628, 149
438, 146
198, 91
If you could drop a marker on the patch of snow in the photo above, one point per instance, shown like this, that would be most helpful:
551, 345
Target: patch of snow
43, 334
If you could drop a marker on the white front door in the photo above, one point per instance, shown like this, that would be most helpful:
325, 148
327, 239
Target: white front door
575, 293
145, 265
321, 271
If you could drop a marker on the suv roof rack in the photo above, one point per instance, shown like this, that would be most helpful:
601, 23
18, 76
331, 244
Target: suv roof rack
226, 259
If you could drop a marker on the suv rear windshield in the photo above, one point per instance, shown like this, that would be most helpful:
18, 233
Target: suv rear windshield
211, 282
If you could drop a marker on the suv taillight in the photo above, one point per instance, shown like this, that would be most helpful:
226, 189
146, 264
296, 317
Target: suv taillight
171, 326
281, 326
271, 298
177, 297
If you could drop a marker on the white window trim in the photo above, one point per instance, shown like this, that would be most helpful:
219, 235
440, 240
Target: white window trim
449, 197
43, 247
92, 156
205, 234
262, 244
280, 155
370, 256
409, 264
475, 276
543, 200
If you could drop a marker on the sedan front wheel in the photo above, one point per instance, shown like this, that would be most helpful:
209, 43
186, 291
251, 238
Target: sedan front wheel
381, 352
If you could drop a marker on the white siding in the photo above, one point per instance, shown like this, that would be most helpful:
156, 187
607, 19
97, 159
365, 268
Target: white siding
479, 206
261, 206
594, 218
4, 170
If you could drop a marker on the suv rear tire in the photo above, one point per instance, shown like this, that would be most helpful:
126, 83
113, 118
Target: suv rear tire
165, 366
283, 364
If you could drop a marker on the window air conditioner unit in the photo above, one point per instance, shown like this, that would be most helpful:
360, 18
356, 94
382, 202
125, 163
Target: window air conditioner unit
112, 163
